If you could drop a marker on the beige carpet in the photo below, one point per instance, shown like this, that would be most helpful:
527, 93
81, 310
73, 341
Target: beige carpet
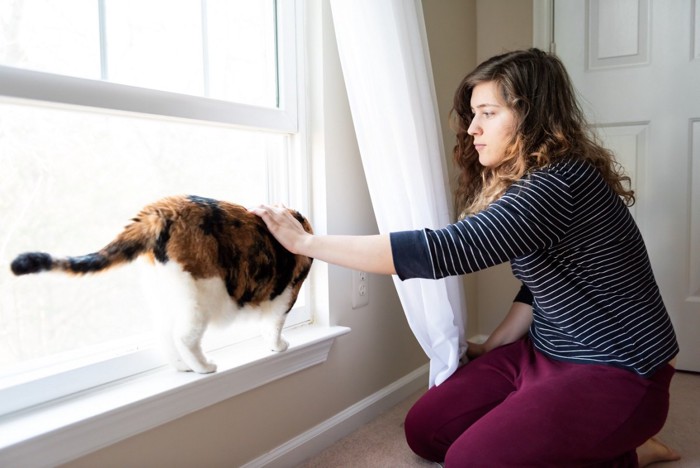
381, 444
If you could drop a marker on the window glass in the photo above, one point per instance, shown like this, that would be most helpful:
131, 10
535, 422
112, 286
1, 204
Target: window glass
241, 51
152, 45
60, 37
222, 49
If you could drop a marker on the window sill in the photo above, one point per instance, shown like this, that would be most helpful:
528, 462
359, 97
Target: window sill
68, 428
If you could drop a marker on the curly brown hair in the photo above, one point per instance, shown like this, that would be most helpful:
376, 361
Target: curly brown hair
550, 125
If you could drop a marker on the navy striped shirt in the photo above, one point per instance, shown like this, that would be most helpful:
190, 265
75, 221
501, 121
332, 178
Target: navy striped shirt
574, 244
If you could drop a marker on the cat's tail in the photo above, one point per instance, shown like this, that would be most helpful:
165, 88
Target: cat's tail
36, 262
138, 238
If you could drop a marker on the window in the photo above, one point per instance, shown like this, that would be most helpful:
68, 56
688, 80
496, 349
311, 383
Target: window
106, 105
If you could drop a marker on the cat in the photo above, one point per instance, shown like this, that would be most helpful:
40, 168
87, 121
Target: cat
218, 260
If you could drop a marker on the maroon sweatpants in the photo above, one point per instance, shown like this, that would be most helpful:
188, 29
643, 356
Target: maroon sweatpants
515, 407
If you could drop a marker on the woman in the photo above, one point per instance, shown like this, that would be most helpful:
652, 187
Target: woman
590, 382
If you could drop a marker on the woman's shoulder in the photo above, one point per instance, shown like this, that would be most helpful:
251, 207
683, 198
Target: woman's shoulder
566, 165
567, 170
555, 179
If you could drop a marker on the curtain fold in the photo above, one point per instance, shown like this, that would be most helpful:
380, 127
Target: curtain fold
386, 66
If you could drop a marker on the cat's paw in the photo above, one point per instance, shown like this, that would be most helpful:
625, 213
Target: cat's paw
280, 345
206, 367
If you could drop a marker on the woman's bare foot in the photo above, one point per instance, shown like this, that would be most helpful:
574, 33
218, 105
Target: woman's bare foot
653, 451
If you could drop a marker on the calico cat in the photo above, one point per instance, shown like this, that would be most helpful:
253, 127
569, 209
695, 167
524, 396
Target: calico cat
217, 259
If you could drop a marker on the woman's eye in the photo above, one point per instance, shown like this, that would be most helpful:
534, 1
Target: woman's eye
485, 114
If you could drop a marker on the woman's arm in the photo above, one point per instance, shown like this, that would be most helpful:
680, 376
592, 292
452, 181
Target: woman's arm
366, 253
513, 327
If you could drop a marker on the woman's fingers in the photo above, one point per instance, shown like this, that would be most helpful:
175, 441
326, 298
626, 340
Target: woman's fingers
280, 222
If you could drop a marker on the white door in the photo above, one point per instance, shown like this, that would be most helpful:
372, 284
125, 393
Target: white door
636, 63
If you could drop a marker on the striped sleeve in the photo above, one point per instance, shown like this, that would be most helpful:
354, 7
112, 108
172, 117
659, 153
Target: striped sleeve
533, 214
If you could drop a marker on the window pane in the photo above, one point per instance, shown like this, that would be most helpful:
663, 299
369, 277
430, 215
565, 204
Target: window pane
223, 49
45, 35
151, 44
242, 53
70, 180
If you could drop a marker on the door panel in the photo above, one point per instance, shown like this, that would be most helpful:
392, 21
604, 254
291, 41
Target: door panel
636, 65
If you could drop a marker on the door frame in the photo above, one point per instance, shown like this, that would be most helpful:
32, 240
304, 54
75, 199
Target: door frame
543, 25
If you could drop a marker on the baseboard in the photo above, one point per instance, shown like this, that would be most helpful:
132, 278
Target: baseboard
316, 439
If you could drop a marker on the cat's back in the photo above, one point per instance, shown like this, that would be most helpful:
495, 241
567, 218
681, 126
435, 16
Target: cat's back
218, 239
204, 234
194, 219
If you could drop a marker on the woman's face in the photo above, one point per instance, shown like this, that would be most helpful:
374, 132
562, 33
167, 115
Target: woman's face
493, 125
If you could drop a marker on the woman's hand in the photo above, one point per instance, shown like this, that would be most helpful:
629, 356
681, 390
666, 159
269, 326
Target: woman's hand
513, 327
284, 227
474, 350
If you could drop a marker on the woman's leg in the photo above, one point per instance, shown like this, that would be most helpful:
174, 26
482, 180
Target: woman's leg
440, 416
567, 414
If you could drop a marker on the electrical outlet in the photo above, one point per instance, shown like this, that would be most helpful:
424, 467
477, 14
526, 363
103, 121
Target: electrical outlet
360, 289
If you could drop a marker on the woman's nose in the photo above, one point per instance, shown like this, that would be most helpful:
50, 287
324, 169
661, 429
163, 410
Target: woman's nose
474, 127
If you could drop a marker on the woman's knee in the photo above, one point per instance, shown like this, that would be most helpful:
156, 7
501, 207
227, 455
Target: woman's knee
420, 432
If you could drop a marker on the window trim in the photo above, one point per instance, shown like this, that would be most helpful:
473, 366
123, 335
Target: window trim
66, 378
68, 428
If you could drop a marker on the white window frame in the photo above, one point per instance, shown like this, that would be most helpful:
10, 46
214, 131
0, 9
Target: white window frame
51, 419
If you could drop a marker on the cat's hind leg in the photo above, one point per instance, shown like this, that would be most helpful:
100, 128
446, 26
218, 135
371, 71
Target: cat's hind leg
188, 330
182, 321
271, 331
272, 321
166, 291
167, 346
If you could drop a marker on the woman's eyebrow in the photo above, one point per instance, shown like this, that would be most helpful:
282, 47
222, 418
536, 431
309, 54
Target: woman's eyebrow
481, 106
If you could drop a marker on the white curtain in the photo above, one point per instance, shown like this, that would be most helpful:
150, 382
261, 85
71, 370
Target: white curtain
384, 55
